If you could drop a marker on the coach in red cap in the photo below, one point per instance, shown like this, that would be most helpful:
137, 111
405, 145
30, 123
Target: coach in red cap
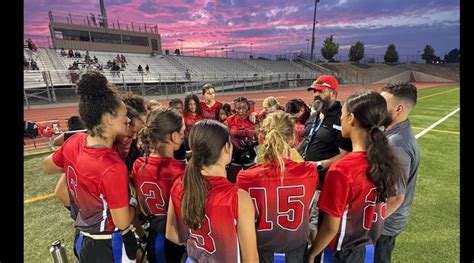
323, 142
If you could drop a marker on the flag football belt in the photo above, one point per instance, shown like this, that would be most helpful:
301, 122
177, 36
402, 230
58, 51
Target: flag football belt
106, 236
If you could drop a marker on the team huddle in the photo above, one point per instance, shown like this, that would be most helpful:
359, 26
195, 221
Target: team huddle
208, 182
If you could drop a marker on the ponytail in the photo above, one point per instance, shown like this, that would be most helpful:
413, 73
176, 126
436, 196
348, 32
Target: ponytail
384, 169
275, 149
278, 128
195, 192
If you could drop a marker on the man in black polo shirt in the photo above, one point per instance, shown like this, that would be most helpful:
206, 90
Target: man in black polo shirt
323, 142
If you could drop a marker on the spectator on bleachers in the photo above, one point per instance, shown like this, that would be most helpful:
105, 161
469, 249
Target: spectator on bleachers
93, 19
77, 54
33, 64
26, 64
187, 75
71, 53
31, 45
101, 21
122, 57
122, 66
140, 69
96, 60
147, 68
176, 52
63, 52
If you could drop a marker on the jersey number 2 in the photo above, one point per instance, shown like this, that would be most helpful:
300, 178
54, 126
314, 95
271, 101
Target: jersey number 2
153, 198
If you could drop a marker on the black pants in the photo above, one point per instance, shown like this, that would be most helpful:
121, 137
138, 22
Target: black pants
296, 255
353, 255
383, 249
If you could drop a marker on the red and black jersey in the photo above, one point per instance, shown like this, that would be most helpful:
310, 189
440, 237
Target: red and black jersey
348, 194
216, 240
282, 206
209, 112
97, 180
153, 183
240, 129
189, 120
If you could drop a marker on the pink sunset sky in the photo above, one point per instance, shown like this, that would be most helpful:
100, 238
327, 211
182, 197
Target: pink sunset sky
274, 26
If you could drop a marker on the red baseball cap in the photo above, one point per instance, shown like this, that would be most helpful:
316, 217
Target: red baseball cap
324, 82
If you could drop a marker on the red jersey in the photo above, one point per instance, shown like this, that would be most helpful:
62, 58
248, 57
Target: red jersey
153, 183
282, 208
209, 112
216, 240
240, 129
299, 127
347, 193
97, 180
189, 120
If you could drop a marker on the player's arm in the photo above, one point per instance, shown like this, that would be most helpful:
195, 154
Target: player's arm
59, 140
123, 216
50, 167
393, 203
246, 228
172, 225
326, 163
326, 232
61, 191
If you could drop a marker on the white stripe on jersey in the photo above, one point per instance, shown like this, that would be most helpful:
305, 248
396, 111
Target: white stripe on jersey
343, 228
104, 213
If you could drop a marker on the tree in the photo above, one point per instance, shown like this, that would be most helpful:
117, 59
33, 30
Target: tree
391, 55
356, 52
428, 54
453, 56
329, 49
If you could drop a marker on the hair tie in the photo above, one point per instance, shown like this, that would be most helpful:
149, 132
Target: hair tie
380, 128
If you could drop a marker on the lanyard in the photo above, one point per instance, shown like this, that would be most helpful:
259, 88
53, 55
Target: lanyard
314, 128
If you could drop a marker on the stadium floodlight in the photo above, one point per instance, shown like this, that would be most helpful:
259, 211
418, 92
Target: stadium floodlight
314, 26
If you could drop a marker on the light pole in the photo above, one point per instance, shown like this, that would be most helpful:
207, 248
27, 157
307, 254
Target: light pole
314, 26
181, 40
307, 47
225, 51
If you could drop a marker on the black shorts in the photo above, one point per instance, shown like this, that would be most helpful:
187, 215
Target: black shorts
160, 249
105, 250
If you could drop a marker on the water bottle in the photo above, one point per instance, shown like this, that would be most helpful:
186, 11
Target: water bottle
58, 252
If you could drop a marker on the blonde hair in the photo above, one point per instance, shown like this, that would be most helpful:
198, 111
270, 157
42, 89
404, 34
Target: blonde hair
278, 129
270, 102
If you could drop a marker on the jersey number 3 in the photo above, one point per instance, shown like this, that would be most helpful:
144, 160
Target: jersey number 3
202, 236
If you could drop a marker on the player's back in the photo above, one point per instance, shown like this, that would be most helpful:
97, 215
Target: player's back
216, 240
153, 182
282, 205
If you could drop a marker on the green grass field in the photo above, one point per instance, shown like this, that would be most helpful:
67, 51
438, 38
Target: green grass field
432, 234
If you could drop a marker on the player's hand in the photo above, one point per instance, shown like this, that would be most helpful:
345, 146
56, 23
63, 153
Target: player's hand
253, 117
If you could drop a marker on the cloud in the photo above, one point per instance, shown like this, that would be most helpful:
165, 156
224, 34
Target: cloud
275, 25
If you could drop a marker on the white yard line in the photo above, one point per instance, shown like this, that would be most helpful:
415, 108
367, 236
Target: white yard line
418, 135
